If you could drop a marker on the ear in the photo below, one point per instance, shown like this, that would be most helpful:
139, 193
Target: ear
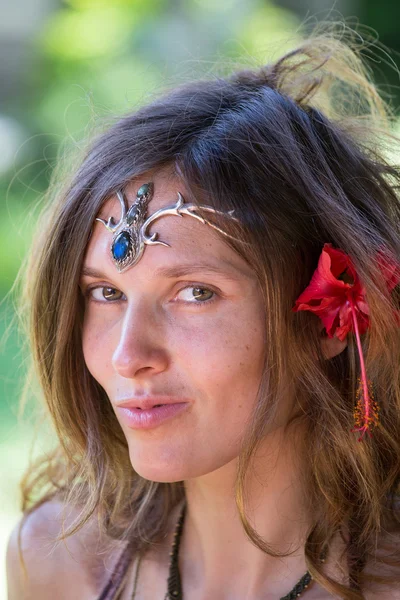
331, 346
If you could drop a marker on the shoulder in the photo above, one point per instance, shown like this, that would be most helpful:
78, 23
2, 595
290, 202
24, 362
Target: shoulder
385, 563
52, 569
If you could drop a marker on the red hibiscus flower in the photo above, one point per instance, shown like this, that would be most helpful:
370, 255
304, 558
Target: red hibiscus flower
337, 296
333, 285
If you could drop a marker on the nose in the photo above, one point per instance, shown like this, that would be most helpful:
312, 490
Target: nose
140, 348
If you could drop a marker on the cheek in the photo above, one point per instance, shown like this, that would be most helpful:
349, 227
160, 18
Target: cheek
221, 357
90, 349
225, 358
97, 351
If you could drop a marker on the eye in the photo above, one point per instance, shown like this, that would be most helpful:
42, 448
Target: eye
198, 295
108, 294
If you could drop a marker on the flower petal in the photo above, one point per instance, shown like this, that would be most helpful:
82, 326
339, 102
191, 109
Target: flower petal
328, 297
323, 283
390, 270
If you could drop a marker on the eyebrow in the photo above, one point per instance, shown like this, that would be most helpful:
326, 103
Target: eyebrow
228, 271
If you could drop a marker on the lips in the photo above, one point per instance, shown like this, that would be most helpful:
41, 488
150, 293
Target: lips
151, 418
149, 402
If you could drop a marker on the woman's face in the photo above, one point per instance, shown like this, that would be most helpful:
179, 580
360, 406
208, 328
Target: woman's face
148, 334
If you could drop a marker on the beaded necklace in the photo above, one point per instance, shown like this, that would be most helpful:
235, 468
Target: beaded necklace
174, 591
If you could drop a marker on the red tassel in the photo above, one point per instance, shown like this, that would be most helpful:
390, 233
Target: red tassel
336, 295
366, 411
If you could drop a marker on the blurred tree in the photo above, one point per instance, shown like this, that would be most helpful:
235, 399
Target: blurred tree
97, 58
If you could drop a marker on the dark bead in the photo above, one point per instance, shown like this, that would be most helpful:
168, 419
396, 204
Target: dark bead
132, 214
143, 190
121, 246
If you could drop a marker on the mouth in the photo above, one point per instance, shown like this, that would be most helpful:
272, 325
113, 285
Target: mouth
137, 417
147, 403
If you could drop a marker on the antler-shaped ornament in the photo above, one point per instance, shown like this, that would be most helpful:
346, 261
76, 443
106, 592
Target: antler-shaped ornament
110, 223
131, 232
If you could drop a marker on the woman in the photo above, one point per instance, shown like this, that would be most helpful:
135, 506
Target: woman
214, 325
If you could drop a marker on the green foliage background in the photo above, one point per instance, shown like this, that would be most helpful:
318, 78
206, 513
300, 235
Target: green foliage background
94, 59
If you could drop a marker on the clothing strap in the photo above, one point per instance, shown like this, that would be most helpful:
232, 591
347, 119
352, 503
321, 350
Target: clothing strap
118, 573
138, 561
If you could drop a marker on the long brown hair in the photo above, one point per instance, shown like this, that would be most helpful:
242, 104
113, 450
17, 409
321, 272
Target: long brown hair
298, 149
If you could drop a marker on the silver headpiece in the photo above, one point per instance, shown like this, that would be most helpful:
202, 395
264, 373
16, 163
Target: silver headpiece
130, 233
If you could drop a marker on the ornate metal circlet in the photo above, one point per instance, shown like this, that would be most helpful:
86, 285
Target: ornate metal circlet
130, 233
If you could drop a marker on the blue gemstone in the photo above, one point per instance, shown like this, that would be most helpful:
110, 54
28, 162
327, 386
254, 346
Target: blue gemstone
121, 246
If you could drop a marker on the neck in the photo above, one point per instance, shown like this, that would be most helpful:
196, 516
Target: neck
215, 552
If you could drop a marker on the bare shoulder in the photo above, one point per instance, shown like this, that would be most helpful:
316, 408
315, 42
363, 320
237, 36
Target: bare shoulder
385, 563
80, 564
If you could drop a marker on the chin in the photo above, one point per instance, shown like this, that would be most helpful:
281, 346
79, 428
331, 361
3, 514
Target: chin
156, 479
162, 467
171, 466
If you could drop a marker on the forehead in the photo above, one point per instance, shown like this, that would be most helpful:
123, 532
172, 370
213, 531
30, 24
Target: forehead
188, 238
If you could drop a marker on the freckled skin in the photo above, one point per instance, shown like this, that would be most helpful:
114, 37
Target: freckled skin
154, 343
